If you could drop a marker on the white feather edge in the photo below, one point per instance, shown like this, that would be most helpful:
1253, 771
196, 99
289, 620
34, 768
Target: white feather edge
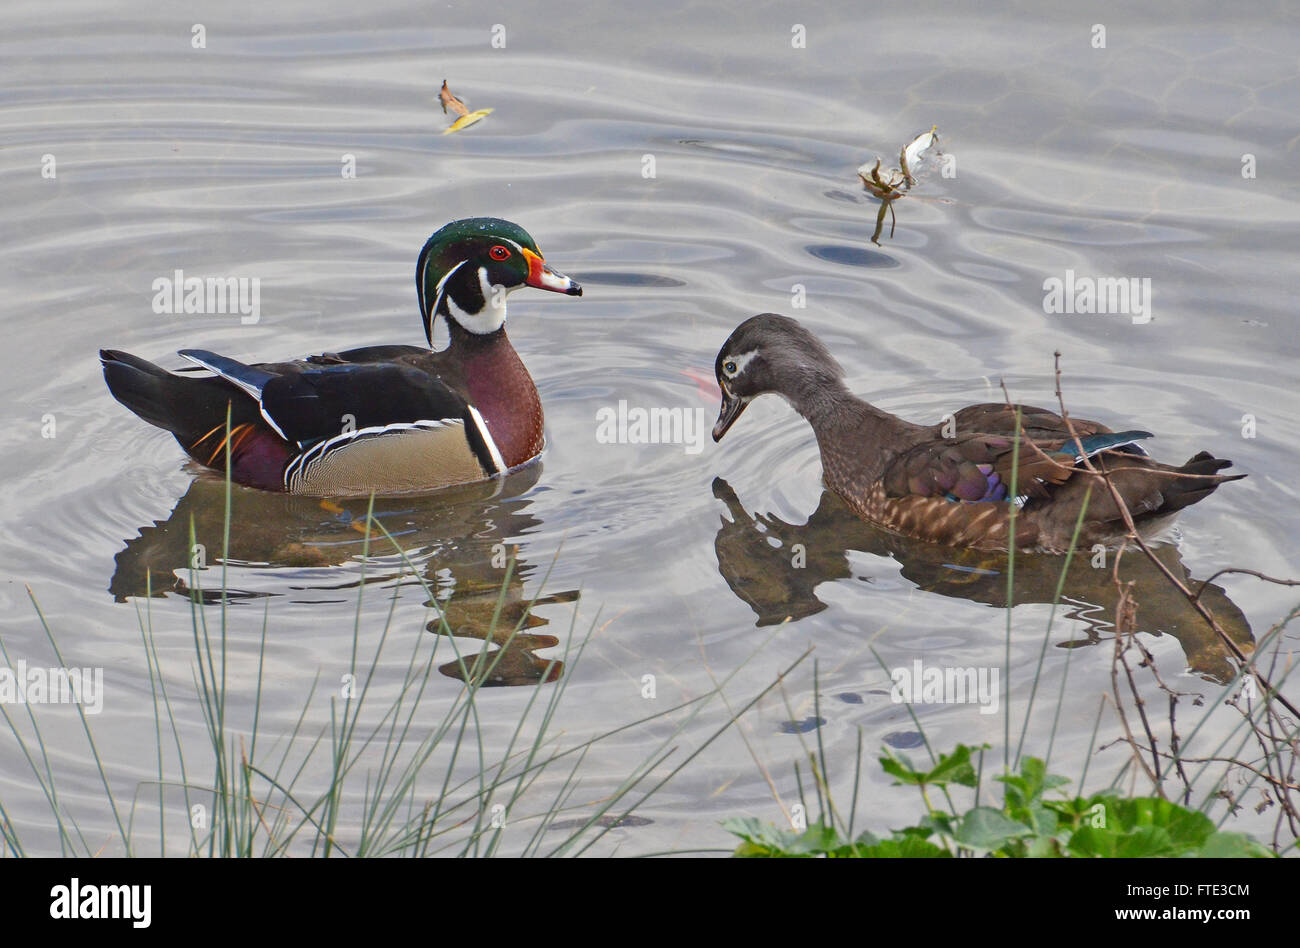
243, 386
439, 292
497, 459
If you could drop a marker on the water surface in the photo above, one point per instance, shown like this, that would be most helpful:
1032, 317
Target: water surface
1117, 162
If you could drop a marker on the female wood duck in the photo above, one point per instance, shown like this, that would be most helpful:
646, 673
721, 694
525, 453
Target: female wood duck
382, 418
950, 483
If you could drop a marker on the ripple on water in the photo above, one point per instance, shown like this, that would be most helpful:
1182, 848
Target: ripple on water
850, 256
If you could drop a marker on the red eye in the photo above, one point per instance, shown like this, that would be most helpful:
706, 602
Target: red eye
499, 253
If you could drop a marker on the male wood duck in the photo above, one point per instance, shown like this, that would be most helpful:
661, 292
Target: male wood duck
386, 419
951, 483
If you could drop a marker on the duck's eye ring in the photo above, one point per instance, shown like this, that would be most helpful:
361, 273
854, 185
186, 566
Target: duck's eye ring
729, 367
499, 253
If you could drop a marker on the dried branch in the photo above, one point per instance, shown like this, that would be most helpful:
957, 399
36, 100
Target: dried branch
1136, 537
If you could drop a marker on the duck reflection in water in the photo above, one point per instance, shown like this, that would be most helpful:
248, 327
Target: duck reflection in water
459, 538
757, 556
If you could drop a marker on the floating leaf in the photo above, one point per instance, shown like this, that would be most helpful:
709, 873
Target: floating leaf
895, 182
465, 121
884, 186
450, 101
891, 183
911, 153
466, 118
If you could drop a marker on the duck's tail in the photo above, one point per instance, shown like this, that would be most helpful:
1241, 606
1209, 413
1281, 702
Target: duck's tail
1200, 479
191, 408
149, 391
197, 410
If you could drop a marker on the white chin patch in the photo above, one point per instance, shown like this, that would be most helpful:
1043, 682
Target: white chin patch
493, 315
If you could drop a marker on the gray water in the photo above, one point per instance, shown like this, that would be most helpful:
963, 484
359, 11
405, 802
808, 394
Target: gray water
1122, 161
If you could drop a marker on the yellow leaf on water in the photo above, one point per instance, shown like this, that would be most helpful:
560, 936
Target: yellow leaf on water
465, 121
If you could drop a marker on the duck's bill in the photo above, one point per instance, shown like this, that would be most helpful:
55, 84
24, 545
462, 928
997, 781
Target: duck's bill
727, 415
543, 277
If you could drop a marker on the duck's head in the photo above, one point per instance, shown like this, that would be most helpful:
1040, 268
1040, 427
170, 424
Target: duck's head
771, 353
468, 268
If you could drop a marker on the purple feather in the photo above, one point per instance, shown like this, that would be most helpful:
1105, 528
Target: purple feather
979, 485
996, 489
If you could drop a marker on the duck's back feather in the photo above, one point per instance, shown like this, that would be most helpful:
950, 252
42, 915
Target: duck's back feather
953, 482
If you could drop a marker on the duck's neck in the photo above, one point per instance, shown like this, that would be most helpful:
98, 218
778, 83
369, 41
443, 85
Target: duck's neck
853, 435
502, 391
821, 398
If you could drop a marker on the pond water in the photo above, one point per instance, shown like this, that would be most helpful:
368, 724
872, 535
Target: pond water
690, 166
